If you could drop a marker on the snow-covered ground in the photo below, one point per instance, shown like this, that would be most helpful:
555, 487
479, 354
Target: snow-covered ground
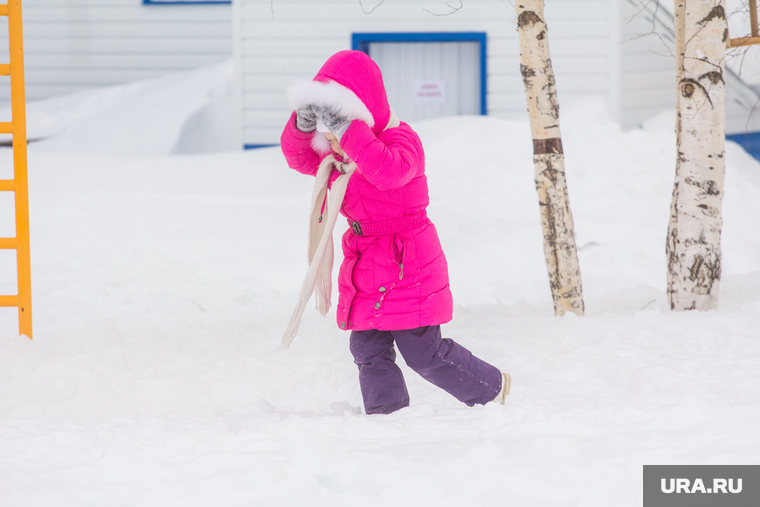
163, 283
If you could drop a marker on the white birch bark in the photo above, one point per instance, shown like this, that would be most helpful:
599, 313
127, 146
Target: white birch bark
693, 245
549, 159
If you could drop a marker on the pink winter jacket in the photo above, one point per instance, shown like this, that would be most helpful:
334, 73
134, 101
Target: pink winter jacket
387, 281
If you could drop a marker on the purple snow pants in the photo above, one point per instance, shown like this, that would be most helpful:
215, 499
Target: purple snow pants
442, 362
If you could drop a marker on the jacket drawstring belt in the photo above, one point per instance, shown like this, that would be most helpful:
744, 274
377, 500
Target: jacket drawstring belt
389, 226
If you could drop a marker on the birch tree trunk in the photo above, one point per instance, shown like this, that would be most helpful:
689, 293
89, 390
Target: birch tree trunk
549, 159
693, 245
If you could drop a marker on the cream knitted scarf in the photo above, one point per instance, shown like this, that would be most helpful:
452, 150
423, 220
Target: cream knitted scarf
324, 214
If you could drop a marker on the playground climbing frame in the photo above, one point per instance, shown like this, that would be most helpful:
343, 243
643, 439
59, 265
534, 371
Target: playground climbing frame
754, 37
19, 184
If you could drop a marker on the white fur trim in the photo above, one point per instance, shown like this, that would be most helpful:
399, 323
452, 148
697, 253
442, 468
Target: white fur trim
320, 144
331, 94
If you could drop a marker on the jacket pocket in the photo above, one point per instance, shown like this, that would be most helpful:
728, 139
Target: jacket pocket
405, 253
395, 262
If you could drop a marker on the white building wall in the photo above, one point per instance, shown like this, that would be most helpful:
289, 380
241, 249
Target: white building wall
72, 45
648, 71
647, 64
742, 112
278, 43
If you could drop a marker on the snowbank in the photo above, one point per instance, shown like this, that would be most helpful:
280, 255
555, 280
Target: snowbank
162, 285
187, 112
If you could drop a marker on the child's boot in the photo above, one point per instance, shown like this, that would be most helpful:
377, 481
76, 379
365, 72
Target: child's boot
506, 384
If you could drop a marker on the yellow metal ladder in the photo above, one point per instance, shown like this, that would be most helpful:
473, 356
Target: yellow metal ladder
752, 39
19, 184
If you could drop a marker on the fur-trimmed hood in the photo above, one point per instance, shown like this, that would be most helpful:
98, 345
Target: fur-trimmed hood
350, 82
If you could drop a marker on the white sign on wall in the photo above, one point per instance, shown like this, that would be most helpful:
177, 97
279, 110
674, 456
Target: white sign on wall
427, 91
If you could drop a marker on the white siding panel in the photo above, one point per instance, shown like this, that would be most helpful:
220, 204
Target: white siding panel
559, 30
647, 65
647, 58
187, 45
199, 30
560, 47
648, 71
646, 77
273, 118
4, 54
5, 96
291, 39
79, 44
286, 11
264, 133
92, 3
273, 101
125, 13
266, 83
254, 47
84, 62
648, 98
87, 78
741, 107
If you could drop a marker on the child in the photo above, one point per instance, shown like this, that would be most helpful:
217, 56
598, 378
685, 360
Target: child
393, 283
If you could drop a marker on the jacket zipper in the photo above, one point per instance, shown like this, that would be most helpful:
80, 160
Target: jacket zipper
399, 255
